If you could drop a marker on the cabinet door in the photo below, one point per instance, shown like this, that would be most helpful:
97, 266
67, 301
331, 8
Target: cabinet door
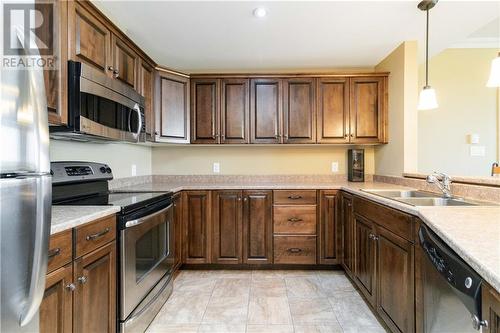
333, 110
56, 310
364, 253
95, 293
265, 111
177, 230
205, 110
89, 38
491, 309
227, 229
235, 120
329, 229
299, 111
348, 234
125, 62
146, 88
196, 218
173, 108
367, 109
257, 227
395, 281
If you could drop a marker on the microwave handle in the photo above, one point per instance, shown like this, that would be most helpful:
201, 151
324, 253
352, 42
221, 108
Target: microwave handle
133, 223
139, 128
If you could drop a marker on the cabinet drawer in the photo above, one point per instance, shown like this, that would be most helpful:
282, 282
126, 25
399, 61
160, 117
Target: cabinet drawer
294, 249
60, 250
299, 197
93, 235
295, 219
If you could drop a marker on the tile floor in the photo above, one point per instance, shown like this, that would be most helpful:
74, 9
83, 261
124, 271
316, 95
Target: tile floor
263, 301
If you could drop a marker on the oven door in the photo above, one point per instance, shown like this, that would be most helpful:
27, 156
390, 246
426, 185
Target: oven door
146, 256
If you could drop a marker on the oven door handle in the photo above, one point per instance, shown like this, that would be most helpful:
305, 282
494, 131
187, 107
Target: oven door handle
133, 223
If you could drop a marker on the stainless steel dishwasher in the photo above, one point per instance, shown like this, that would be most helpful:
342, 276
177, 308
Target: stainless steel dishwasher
451, 289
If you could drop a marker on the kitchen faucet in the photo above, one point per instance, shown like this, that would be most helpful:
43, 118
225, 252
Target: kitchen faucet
443, 181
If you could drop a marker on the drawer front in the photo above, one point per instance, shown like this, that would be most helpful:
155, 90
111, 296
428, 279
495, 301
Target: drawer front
295, 249
95, 234
295, 219
398, 222
299, 197
60, 250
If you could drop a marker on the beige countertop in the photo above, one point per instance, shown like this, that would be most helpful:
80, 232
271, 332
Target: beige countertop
67, 217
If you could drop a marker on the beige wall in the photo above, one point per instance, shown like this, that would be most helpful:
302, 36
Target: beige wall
400, 154
119, 156
256, 160
466, 106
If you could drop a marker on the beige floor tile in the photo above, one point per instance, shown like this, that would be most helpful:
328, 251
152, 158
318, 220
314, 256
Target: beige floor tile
326, 328
259, 274
268, 287
298, 272
303, 287
226, 310
269, 329
269, 310
232, 273
232, 287
332, 283
312, 311
220, 328
197, 285
354, 315
183, 309
172, 328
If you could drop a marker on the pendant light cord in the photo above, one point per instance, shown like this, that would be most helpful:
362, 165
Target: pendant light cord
427, 51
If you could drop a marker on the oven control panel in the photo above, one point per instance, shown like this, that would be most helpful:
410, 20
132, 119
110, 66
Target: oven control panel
73, 172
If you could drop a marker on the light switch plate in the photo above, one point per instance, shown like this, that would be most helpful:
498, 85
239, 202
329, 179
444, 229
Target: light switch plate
216, 167
477, 151
335, 166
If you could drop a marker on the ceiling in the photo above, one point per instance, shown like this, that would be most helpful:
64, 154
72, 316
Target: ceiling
224, 36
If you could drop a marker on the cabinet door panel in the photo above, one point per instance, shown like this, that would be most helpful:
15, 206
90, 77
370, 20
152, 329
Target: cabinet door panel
227, 229
177, 229
329, 228
491, 309
95, 298
196, 216
56, 310
89, 39
348, 234
333, 111
173, 113
395, 278
364, 252
299, 111
257, 227
125, 62
265, 111
367, 109
146, 89
205, 111
235, 111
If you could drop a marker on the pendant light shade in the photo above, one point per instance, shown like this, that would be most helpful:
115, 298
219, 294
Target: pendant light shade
427, 99
494, 80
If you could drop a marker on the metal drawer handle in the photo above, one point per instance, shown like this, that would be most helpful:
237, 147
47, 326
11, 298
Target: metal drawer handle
294, 250
97, 235
294, 219
54, 252
294, 197
82, 279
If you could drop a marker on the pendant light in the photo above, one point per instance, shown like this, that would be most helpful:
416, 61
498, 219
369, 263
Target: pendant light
427, 99
494, 80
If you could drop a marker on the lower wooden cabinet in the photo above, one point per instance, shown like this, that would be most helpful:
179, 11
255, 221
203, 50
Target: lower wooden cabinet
293, 249
196, 208
491, 309
227, 227
177, 203
56, 310
257, 227
364, 252
347, 234
330, 232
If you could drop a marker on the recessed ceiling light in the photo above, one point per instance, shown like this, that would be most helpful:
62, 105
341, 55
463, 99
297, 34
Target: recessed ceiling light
259, 12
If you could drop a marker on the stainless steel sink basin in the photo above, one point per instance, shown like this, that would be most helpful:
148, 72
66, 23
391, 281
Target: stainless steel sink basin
435, 202
422, 198
403, 193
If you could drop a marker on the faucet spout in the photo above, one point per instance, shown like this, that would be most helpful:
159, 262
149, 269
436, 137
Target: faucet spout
442, 181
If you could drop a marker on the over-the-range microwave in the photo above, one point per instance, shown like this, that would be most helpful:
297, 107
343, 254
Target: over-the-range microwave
100, 108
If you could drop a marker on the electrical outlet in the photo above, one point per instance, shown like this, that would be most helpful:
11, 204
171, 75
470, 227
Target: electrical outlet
335, 166
216, 167
134, 170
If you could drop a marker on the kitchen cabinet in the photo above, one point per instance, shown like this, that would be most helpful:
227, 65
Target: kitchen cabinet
299, 110
177, 203
266, 101
368, 109
205, 106
347, 234
172, 107
227, 227
234, 111
56, 310
491, 309
196, 208
364, 252
333, 110
293, 249
145, 86
125, 62
257, 227
330, 232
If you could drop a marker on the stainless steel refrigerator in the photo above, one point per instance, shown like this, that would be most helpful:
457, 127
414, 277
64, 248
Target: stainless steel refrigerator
25, 197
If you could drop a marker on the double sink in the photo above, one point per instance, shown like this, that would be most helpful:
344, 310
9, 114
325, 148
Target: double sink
422, 198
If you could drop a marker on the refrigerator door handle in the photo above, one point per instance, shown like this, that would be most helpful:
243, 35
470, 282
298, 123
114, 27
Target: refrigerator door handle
40, 250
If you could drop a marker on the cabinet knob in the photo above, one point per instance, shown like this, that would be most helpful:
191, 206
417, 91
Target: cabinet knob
345, 136
116, 73
111, 68
239, 198
245, 199
70, 287
352, 135
82, 279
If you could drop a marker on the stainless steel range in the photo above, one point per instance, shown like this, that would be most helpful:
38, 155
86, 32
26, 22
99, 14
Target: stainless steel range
145, 238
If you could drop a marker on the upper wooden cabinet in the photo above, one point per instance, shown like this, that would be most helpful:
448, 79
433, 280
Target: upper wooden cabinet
205, 113
172, 108
234, 111
299, 110
265, 110
145, 86
333, 110
125, 62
